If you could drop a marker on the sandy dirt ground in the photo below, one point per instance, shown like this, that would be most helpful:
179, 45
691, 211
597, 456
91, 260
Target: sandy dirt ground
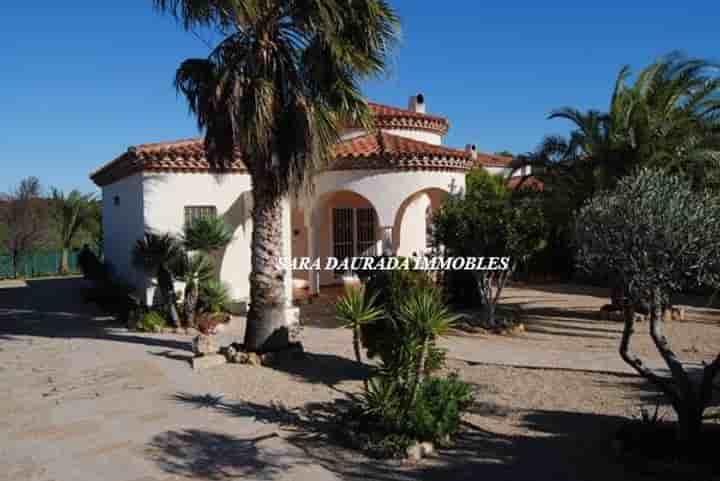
79, 398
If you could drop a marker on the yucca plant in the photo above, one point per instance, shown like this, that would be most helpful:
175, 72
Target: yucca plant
428, 316
193, 270
157, 254
355, 310
382, 400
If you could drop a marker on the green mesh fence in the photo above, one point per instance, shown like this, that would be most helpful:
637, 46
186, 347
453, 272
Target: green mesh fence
37, 265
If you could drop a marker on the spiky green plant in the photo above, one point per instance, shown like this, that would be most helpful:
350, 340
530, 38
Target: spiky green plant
430, 319
215, 296
355, 310
157, 254
206, 234
277, 91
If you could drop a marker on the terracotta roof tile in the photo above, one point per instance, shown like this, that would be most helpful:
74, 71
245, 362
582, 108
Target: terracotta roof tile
388, 117
382, 150
178, 156
370, 151
528, 182
491, 160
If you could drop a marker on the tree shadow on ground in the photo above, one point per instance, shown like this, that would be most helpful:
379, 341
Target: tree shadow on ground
552, 445
320, 368
213, 456
56, 308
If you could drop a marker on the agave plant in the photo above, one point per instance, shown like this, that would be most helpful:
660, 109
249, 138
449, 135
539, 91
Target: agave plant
355, 310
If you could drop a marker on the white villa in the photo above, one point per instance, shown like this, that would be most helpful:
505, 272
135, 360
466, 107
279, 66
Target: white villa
376, 195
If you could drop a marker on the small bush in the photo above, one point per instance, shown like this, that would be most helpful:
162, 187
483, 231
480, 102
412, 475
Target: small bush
438, 409
152, 321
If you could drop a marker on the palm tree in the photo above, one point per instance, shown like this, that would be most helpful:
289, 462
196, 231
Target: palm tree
430, 319
72, 213
277, 90
205, 235
669, 117
356, 310
157, 254
193, 270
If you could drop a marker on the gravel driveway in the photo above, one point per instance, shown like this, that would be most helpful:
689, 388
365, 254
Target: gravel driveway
81, 401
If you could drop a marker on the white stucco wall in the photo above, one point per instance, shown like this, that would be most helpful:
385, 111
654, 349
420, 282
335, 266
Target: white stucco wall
416, 134
166, 196
123, 224
413, 227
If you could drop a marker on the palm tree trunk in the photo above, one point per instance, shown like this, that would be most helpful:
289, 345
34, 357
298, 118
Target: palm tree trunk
190, 303
267, 329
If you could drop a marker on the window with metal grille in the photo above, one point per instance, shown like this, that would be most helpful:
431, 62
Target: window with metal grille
354, 233
194, 212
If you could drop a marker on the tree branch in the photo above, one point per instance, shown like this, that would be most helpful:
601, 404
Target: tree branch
635, 362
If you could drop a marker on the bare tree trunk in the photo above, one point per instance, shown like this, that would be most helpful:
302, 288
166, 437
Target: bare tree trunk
688, 400
64, 262
266, 324
14, 256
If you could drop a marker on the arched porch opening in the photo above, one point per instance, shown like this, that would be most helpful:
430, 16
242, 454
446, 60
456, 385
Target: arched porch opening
412, 231
340, 224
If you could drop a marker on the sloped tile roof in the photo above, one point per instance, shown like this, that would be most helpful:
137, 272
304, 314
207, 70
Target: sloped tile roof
381, 150
185, 156
370, 151
491, 160
387, 117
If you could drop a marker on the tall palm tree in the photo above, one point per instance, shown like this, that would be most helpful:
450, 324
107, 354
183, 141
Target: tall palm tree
277, 90
72, 212
669, 117
157, 255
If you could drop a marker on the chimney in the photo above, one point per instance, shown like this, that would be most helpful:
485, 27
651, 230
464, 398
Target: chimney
471, 150
417, 104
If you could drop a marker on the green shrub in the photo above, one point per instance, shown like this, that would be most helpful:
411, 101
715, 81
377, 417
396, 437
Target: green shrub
389, 289
405, 403
214, 297
152, 321
438, 409
389, 428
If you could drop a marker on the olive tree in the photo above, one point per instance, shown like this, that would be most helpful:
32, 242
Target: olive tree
658, 236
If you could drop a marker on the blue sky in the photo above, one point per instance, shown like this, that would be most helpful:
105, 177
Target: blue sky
80, 81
